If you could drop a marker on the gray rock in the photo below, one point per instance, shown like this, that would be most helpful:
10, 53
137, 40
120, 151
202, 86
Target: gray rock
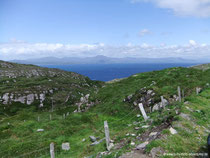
97, 142
132, 143
153, 134
155, 152
30, 99
65, 146
42, 98
145, 126
185, 116
173, 131
156, 107
5, 98
92, 138
142, 145
40, 130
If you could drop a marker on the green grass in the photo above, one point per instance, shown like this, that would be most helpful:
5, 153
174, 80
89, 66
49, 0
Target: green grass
21, 137
192, 134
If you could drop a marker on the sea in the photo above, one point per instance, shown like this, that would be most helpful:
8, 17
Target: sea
107, 72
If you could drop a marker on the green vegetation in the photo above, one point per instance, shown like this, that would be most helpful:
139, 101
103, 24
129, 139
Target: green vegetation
192, 130
202, 67
18, 126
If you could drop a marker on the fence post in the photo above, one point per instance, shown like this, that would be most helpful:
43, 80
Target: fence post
52, 152
38, 119
141, 107
162, 101
50, 117
64, 116
179, 94
52, 105
197, 91
106, 128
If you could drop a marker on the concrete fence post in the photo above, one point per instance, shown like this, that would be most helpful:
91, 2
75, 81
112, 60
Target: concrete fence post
141, 107
179, 94
52, 150
106, 128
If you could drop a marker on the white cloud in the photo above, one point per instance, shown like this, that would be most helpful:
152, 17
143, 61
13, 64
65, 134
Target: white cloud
197, 8
192, 42
144, 32
192, 50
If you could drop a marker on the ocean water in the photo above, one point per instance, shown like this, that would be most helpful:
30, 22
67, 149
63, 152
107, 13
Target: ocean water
107, 72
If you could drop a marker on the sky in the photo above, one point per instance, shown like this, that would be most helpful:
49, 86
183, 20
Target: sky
113, 28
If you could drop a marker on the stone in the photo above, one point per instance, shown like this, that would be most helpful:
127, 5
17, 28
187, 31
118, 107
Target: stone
135, 123
5, 98
92, 138
30, 99
138, 115
133, 135
173, 131
137, 128
142, 145
87, 96
153, 134
198, 111
97, 142
83, 139
156, 152
189, 109
111, 145
65, 146
132, 143
185, 116
40, 130
127, 134
42, 98
145, 126
135, 103
141, 107
149, 92
155, 107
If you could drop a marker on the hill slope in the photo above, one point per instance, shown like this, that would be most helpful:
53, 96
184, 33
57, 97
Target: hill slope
41, 87
116, 103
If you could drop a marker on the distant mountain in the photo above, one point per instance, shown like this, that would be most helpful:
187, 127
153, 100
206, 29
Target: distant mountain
100, 59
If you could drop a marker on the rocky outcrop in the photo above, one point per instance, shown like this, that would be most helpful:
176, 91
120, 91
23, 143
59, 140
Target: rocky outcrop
84, 104
149, 99
144, 96
27, 97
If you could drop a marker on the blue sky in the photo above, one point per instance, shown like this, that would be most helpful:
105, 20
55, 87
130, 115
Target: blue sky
119, 28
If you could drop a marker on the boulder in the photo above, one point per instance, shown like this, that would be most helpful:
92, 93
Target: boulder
92, 138
173, 131
65, 146
153, 134
142, 145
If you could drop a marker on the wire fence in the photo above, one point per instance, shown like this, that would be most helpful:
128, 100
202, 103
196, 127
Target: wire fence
35, 153
45, 151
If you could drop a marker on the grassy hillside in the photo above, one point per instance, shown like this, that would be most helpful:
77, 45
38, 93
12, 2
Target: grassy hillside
192, 125
41, 87
19, 136
202, 67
